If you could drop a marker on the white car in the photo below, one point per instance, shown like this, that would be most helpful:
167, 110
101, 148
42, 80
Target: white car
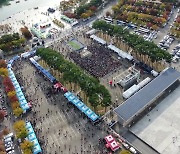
132, 150
125, 145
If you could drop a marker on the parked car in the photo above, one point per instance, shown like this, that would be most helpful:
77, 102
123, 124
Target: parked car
133, 150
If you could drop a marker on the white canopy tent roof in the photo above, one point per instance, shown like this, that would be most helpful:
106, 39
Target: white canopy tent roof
120, 52
99, 40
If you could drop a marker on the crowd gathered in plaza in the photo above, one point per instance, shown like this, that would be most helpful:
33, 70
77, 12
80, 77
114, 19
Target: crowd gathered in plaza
39, 91
99, 64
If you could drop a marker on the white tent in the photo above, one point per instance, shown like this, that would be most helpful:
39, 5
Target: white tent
99, 40
120, 52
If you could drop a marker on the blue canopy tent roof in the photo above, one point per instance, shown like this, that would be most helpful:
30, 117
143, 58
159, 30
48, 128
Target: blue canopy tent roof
9, 66
19, 94
71, 97
35, 142
31, 137
12, 76
28, 54
42, 70
10, 72
24, 107
22, 102
37, 149
94, 117
21, 98
67, 94
18, 90
89, 112
16, 85
30, 130
14, 79
84, 108
80, 105
75, 101
28, 125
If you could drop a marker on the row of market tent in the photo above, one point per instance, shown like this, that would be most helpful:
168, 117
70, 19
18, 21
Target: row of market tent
70, 96
81, 106
32, 137
113, 48
22, 100
48, 75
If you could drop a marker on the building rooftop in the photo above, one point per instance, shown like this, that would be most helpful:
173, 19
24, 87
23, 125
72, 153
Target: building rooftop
160, 128
134, 104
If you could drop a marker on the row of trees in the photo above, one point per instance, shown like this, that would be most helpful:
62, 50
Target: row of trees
11, 93
21, 133
10, 90
97, 93
88, 9
11, 41
175, 30
137, 43
142, 13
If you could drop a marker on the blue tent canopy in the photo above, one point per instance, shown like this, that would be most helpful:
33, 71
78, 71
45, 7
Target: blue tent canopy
23, 102
9, 66
89, 112
84, 108
12, 76
42, 70
37, 149
31, 137
80, 105
71, 97
35, 142
67, 94
24, 107
19, 94
14, 79
94, 117
28, 125
18, 90
75, 101
30, 130
21, 98
16, 85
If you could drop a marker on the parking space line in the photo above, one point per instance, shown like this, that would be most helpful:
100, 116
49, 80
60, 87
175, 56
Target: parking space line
61, 117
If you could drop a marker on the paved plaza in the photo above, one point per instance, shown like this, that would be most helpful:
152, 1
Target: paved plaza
59, 127
160, 128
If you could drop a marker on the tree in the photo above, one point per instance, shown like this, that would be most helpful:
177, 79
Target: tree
5, 131
20, 129
27, 34
15, 105
125, 152
84, 15
3, 64
2, 148
18, 111
13, 98
2, 114
26, 146
11, 93
3, 72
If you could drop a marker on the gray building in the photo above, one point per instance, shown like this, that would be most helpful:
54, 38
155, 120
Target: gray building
146, 98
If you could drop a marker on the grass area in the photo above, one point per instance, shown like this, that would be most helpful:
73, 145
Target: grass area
74, 45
